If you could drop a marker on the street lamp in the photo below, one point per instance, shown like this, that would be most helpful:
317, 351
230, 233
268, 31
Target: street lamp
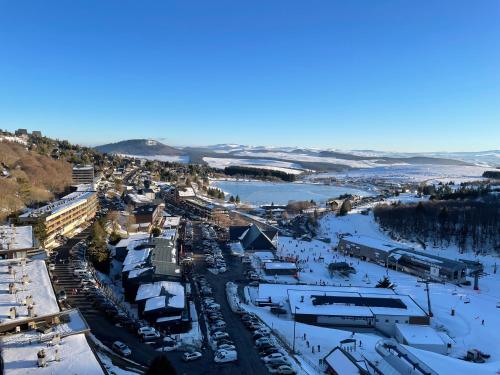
294, 326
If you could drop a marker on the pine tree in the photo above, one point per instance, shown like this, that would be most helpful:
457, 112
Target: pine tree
385, 283
237, 199
161, 366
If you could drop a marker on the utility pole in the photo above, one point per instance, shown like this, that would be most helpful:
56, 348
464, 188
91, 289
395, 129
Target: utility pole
426, 282
294, 326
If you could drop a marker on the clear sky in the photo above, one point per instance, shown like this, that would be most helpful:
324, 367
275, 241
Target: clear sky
373, 74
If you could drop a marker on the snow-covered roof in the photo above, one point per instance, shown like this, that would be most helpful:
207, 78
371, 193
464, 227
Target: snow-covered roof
173, 290
155, 303
352, 303
280, 266
69, 201
16, 238
171, 221
264, 255
419, 335
139, 198
136, 258
138, 271
38, 286
19, 355
342, 363
168, 318
376, 243
141, 237
187, 192
169, 233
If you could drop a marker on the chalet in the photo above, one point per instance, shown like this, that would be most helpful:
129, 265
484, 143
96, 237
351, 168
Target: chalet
253, 238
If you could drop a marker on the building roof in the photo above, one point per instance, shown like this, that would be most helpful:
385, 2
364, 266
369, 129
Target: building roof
375, 243
161, 294
187, 192
349, 302
19, 350
428, 258
419, 335
69, 201
16, 238
280, 266
344, 363
171, 221
252, 237
38, 286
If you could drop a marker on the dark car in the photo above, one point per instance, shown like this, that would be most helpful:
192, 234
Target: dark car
278, 310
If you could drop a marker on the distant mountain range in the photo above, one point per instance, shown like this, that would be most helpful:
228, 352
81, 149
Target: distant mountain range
292, 158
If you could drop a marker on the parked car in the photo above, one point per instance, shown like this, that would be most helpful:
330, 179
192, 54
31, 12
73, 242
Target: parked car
270, 350
219, 335
282, 370
278, 310
223, 356
122, 349
272, 356
191, 356
219, 324
278, 361
147, 330
263, 341
61, 296
226, 347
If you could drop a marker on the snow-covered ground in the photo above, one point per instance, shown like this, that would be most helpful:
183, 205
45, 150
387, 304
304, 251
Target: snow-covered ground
465, 330
412, 173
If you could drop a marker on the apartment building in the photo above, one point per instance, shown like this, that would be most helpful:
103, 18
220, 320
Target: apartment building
83, 174
63, 216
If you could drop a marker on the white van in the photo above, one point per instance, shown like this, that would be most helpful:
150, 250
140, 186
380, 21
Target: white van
223, 356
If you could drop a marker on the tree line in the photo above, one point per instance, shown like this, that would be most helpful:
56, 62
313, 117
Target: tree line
468, 224
240, 171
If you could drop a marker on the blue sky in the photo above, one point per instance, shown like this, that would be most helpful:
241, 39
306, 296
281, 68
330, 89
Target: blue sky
386, 75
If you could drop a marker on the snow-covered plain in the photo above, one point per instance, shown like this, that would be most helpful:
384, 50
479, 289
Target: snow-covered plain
465, 330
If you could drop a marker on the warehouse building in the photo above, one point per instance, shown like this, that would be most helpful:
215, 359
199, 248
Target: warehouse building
418, 263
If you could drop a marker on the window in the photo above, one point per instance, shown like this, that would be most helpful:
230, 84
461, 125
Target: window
387, 320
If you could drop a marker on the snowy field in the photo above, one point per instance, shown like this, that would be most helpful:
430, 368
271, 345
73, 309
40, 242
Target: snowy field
313, 158
465, 330
413, 173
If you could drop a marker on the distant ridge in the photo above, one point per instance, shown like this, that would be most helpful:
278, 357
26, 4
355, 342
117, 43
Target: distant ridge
142, 147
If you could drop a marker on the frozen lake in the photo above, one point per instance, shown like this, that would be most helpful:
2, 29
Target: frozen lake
259, 192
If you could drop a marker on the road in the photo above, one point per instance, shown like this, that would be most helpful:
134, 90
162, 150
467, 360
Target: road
249, 361
104, 330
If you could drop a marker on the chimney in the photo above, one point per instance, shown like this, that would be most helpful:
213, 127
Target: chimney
26, 279
12, 288
12, 313
29, 300
31, 311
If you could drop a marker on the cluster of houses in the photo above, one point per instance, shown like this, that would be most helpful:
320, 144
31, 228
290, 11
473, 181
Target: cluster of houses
152, 276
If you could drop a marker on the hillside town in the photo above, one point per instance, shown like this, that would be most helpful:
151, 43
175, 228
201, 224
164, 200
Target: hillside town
126, 271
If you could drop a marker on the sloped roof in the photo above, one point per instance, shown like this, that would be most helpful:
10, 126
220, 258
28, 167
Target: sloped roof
252, 237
